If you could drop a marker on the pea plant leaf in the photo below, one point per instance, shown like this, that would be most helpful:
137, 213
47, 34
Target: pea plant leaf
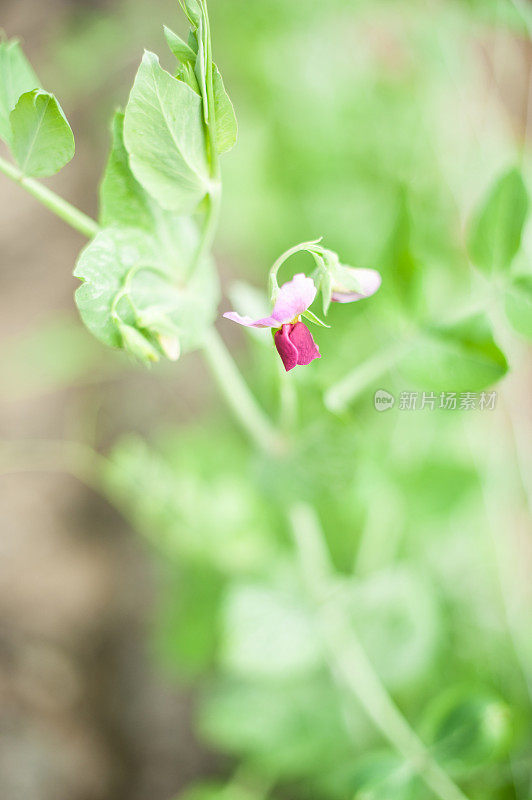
268, 633
181, 50
497, 227
189, 306
135, 279
146, 253
399, 259
140, 274
518, 305
468, 728
16, 78
192, 11
42, 140
224, 113
165, 139
461, 357
123, 201
295, 731
103, 266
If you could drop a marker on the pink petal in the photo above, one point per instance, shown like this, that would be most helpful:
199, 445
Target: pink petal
368, 279
267, 322
294, 298
285, 348
301, 338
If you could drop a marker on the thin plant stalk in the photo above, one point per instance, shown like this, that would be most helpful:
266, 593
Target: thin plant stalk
236, 393
62, 208
347, 658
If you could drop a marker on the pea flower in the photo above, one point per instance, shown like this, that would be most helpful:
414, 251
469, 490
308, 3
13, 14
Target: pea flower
292, 338
336, 282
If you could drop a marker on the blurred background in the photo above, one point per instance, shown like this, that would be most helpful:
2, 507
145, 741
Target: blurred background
155, 638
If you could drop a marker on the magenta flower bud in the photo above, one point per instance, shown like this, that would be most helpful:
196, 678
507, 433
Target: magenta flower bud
295, 345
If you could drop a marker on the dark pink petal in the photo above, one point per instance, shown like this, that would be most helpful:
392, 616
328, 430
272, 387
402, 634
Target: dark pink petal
301, 338
285, 348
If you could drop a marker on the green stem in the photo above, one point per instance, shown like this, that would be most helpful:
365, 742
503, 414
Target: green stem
238, 395
71, 215
298, 248
208, 233
214, 196
211, 112
348, 660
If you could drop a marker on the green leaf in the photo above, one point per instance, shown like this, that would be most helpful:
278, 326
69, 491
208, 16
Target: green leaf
165, 139
268, 633
396, 616
518, 305
103, 266
190, 305
468, 728
398, 256
293, 728
122, 198
143, 281
192, 11
193, 41
224, 113
460, 357
16, 78
173, 304
187, 74
136, 343
42, 140
181, 50
194, 506
497, 226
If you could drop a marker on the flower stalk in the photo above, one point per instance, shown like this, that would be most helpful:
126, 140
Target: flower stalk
238, 396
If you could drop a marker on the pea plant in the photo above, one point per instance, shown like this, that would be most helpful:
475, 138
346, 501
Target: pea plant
309, 688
